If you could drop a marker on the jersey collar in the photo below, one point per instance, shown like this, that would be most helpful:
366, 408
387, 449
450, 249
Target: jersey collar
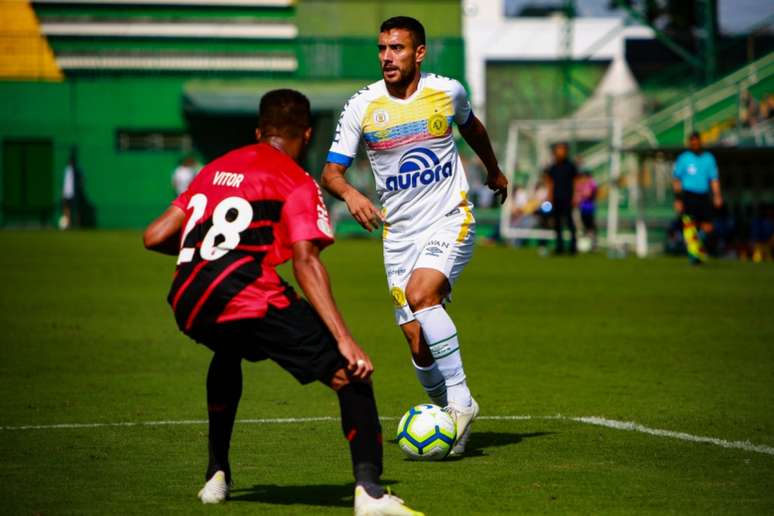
410, 97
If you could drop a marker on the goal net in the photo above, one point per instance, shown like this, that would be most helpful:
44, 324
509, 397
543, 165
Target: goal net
595, 146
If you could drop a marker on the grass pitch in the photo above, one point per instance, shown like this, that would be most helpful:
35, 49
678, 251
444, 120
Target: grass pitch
87, 338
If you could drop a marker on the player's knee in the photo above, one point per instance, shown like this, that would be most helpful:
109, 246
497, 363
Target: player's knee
338, 380
419, 299
341, 379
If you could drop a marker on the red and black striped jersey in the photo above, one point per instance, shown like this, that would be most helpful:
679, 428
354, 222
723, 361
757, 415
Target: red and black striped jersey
244, 211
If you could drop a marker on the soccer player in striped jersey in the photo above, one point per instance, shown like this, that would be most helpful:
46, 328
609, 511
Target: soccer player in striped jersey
243, 215
406, 122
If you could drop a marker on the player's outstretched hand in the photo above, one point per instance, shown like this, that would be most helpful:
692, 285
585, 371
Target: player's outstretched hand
364, 212
499, 184
358, 363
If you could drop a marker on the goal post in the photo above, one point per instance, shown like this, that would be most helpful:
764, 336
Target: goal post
597, 144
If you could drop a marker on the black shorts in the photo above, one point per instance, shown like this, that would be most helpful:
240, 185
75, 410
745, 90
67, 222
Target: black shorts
587, 219
697, 206
293, 337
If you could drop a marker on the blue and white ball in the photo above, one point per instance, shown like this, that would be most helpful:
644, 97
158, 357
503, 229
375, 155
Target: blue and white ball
426, 432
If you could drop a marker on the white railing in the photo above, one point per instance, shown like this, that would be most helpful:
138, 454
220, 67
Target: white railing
645, 131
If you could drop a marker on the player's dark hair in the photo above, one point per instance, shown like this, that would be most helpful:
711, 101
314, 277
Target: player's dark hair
407, 23
695, 134
284, 112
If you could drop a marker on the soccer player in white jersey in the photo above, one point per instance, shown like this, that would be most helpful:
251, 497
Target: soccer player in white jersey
406, 122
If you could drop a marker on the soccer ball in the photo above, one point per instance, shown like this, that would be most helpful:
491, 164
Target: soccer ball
426, 432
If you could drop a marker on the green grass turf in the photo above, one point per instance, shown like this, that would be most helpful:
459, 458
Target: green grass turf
87, 337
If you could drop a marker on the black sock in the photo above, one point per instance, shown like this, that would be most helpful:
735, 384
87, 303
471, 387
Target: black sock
224, 388
360, 423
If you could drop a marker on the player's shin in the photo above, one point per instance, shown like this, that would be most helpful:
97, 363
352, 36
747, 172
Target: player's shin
224, 388
441, 336
433, 382
360, 422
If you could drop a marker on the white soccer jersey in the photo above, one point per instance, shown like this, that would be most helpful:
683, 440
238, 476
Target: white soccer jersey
410, 144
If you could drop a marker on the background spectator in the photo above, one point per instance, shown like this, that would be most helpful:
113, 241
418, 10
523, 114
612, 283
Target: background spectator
184, 174
72, 193
561, 176
585, 200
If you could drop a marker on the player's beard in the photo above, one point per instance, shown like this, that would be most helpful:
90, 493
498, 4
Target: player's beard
406, 76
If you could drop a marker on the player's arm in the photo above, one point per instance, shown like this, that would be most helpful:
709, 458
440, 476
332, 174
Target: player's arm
475, 134
549, 186
313, 279
677, 185
717, 196
575, 181
340, 156
361, 208
677, 188
163, 234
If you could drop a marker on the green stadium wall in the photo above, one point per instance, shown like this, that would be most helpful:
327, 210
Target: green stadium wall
336, 45
441, 18
126, 188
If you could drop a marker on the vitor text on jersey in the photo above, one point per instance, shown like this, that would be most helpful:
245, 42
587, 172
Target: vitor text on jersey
228, 179
418, 166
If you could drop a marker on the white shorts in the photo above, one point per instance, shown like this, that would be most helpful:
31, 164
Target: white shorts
446, 246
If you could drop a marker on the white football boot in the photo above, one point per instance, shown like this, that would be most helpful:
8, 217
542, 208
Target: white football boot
386, 505
215, 490
463, 419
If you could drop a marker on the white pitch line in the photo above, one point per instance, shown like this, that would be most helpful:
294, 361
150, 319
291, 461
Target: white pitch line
519, 418
262, 421
285, 420
614, 424
636, 427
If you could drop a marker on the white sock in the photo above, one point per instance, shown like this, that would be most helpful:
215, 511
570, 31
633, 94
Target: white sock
433, 382
441, 335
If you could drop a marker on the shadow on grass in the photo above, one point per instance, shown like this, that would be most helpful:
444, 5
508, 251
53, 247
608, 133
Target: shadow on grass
480, 441
325, 495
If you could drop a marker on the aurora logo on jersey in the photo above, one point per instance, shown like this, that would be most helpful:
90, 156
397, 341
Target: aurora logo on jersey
419, 166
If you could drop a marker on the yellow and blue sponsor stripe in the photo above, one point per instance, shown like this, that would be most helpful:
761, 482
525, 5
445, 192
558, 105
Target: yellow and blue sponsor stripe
394, 136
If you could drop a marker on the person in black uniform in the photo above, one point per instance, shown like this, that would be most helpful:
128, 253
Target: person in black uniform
561, 176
